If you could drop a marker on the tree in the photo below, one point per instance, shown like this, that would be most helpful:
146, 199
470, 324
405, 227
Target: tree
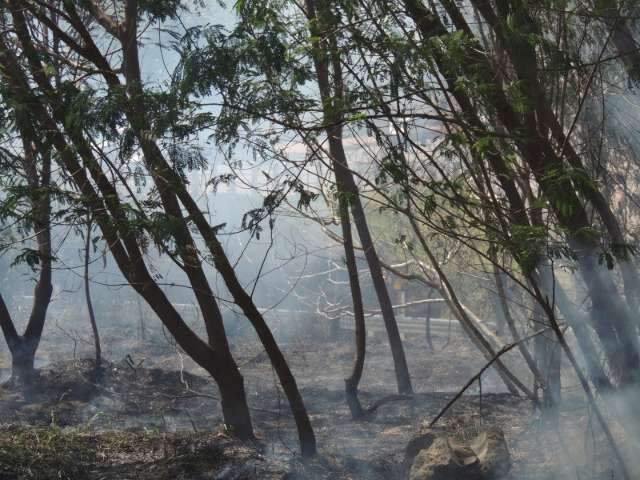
126, 228
28, 173
87, 294
326, 58
445, 70
260, 83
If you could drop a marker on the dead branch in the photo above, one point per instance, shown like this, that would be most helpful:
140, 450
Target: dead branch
501, 352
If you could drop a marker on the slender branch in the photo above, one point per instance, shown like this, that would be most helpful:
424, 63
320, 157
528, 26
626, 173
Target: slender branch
495, 358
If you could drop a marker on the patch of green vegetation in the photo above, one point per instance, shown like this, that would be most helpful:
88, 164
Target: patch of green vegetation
44, 453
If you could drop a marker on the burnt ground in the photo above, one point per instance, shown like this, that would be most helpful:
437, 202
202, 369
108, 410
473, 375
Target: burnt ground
154, 414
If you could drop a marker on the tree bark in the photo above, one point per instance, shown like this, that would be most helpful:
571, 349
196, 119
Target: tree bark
23, 370
158, 165
235, 410
403, 378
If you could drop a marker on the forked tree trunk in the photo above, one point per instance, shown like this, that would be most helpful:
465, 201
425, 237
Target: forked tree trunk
23, 355
220, 366
242, 299
23, 347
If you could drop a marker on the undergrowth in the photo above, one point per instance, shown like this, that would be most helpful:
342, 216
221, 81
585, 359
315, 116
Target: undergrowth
45, 453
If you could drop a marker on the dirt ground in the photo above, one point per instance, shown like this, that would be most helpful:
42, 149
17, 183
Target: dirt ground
156, 415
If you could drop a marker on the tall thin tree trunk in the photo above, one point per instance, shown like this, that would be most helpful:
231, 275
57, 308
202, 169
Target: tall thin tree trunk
428, 323
344, 178
403, 379
351, 383
499, 311
547, 356
87, 293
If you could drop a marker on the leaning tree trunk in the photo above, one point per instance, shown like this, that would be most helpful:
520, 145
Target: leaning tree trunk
506, 312
403, 378
512, 383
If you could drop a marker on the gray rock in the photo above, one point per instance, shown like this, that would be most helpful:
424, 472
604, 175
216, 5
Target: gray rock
420, 442
486, 457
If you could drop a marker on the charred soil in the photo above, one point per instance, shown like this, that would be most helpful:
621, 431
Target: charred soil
161, 419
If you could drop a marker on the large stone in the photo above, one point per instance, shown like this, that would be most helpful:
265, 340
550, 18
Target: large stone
486, 457
420, 442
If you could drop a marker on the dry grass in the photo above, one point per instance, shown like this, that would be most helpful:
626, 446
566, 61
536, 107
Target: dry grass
28, 453
44, 453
